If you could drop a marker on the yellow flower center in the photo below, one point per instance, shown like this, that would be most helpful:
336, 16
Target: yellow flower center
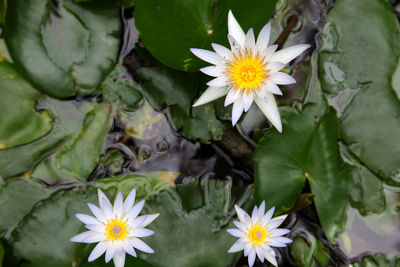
116, 230
247, 72
257, 234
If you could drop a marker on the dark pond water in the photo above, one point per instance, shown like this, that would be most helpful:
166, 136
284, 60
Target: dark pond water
163, 149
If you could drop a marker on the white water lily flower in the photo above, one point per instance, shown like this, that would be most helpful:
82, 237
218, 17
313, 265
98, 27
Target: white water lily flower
116, 227
248, 72
258, 233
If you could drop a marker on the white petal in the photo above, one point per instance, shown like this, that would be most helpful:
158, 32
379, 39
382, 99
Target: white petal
254, 214
130, 200
141, 232
252, 257
140, 245
102, 198
219, 81
119, 259
110, 252
270, 110
275, 66
263, 93
134, 212
247, 100
235, 45
271, 258
118, 205
98, 250
210, 94
260, 253
247, 248
231, 97
235, 30
250, 42
279, 232
242, 215
94, 238
137, 222
224, 52
207, 56
214, 71
277, 244
275, 222
261, 211
235, 232
263, 37
268, 249
281, 78
97, 212
269, 51
283, 240
129, 249
100, 228
148, 219
269, 87
240, 225
236, 247
237, 110
80, 237
267, 217
87, 219
288, 54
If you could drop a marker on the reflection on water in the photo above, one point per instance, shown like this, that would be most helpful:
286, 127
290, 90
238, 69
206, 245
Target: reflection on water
377, 233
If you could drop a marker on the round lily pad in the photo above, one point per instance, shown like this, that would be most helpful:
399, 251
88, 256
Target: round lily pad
63, 47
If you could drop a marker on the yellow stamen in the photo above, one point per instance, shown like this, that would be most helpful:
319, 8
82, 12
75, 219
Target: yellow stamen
116, 230
257, 234
247, 72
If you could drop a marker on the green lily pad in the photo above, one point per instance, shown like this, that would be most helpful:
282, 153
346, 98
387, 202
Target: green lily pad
78, 129
87, 33
310, 253
192, 223
79, 156
177, 89
359, 85
367, 194
20, 122
306, 150
118, 89
170, 28
147, 184
43, 237
17, 198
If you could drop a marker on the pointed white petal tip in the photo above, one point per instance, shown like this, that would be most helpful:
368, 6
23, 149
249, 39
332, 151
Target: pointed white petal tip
235, 29
211, 94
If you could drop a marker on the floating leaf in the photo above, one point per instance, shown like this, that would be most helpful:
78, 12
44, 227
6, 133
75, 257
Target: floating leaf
78, 129
147, 184
170, 28
79, 156
359, 85
119, 89
17, 197
20, 122
43, 237
87, 33
305, 150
